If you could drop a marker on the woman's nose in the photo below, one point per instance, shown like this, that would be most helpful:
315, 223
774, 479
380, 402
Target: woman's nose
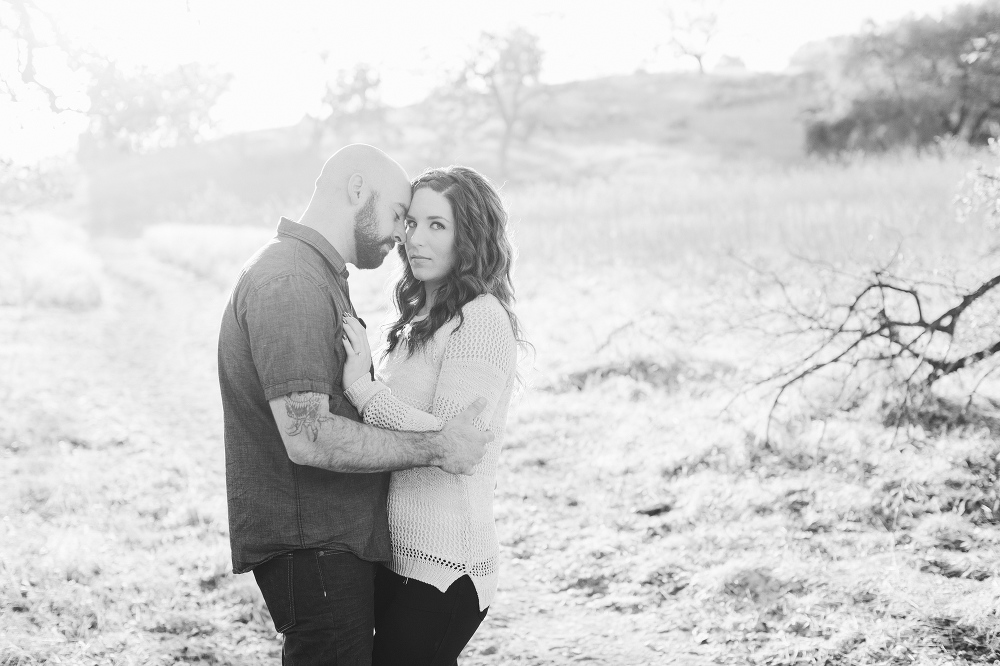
414, 236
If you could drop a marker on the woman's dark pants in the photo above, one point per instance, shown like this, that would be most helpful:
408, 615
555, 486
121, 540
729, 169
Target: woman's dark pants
323, 602
418, 625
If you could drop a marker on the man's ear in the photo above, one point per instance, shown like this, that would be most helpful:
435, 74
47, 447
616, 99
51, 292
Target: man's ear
355, 189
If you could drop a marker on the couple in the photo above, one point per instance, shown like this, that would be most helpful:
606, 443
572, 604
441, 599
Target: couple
339, 547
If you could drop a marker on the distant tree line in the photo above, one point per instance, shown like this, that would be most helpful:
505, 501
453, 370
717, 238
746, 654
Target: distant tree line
139, 148
911, 82
129, 111
492, 94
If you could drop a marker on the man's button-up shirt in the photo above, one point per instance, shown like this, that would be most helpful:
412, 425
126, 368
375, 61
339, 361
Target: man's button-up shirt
281, 333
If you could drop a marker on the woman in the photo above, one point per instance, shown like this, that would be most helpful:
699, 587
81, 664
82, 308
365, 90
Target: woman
455, 341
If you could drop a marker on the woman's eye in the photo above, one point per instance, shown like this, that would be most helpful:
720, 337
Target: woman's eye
437, 225
410, 223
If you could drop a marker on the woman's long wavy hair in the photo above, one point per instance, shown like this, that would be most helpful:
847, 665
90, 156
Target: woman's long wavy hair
484, 256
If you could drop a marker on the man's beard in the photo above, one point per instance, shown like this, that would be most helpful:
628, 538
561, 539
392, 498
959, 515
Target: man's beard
367, 243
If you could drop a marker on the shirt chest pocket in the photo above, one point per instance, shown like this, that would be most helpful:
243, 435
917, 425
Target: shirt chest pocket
340, 405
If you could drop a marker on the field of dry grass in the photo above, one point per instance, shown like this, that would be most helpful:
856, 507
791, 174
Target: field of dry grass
641, 521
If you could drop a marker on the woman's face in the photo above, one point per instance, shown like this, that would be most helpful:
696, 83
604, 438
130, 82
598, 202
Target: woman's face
430, 236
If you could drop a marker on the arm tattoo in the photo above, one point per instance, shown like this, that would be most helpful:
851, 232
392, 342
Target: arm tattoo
304, 411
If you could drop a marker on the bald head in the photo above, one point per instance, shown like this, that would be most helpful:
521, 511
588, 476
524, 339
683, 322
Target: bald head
360, 204
366, 165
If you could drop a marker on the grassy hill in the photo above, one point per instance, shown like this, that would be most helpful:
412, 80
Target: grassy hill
634, 122
586, 128
753, 115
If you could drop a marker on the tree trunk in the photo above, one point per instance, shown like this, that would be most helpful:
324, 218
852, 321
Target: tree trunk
508, 133
971, 124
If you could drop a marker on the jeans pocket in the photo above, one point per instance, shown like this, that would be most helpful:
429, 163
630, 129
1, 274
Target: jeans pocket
347, 583
274, 578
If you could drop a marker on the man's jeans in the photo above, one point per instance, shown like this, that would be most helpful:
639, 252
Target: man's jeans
323, 602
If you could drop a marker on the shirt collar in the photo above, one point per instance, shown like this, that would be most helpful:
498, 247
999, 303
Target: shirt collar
317, 241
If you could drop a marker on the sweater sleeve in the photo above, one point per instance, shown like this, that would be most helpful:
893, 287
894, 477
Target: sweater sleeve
478, 362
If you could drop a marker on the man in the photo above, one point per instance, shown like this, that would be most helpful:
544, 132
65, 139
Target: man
306, 481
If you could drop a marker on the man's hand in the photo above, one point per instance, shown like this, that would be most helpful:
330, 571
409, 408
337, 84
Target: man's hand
463, 445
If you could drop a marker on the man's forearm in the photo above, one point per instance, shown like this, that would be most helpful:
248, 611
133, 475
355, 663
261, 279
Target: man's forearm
343, 445
314, 437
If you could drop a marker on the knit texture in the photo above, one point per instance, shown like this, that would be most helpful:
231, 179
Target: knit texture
442, 524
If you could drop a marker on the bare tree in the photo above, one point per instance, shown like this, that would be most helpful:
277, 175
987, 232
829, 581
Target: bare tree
135, 112
504, 70
352, 103
448, 114
691, 27
25, 30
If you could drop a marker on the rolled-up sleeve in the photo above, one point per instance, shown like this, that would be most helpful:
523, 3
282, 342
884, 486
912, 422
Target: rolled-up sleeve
294, 328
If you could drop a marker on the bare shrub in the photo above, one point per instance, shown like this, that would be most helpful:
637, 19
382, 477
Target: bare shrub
213, 253
897, 329
48, 262
882, 328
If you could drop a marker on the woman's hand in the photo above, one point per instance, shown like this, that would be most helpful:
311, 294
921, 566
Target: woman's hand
359, 354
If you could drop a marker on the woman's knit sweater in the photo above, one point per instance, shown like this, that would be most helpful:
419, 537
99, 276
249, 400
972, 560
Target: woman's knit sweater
442, 524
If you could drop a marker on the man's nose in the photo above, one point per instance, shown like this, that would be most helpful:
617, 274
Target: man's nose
399, 231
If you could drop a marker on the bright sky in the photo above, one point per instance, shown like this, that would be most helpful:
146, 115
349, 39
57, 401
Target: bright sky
273, 48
